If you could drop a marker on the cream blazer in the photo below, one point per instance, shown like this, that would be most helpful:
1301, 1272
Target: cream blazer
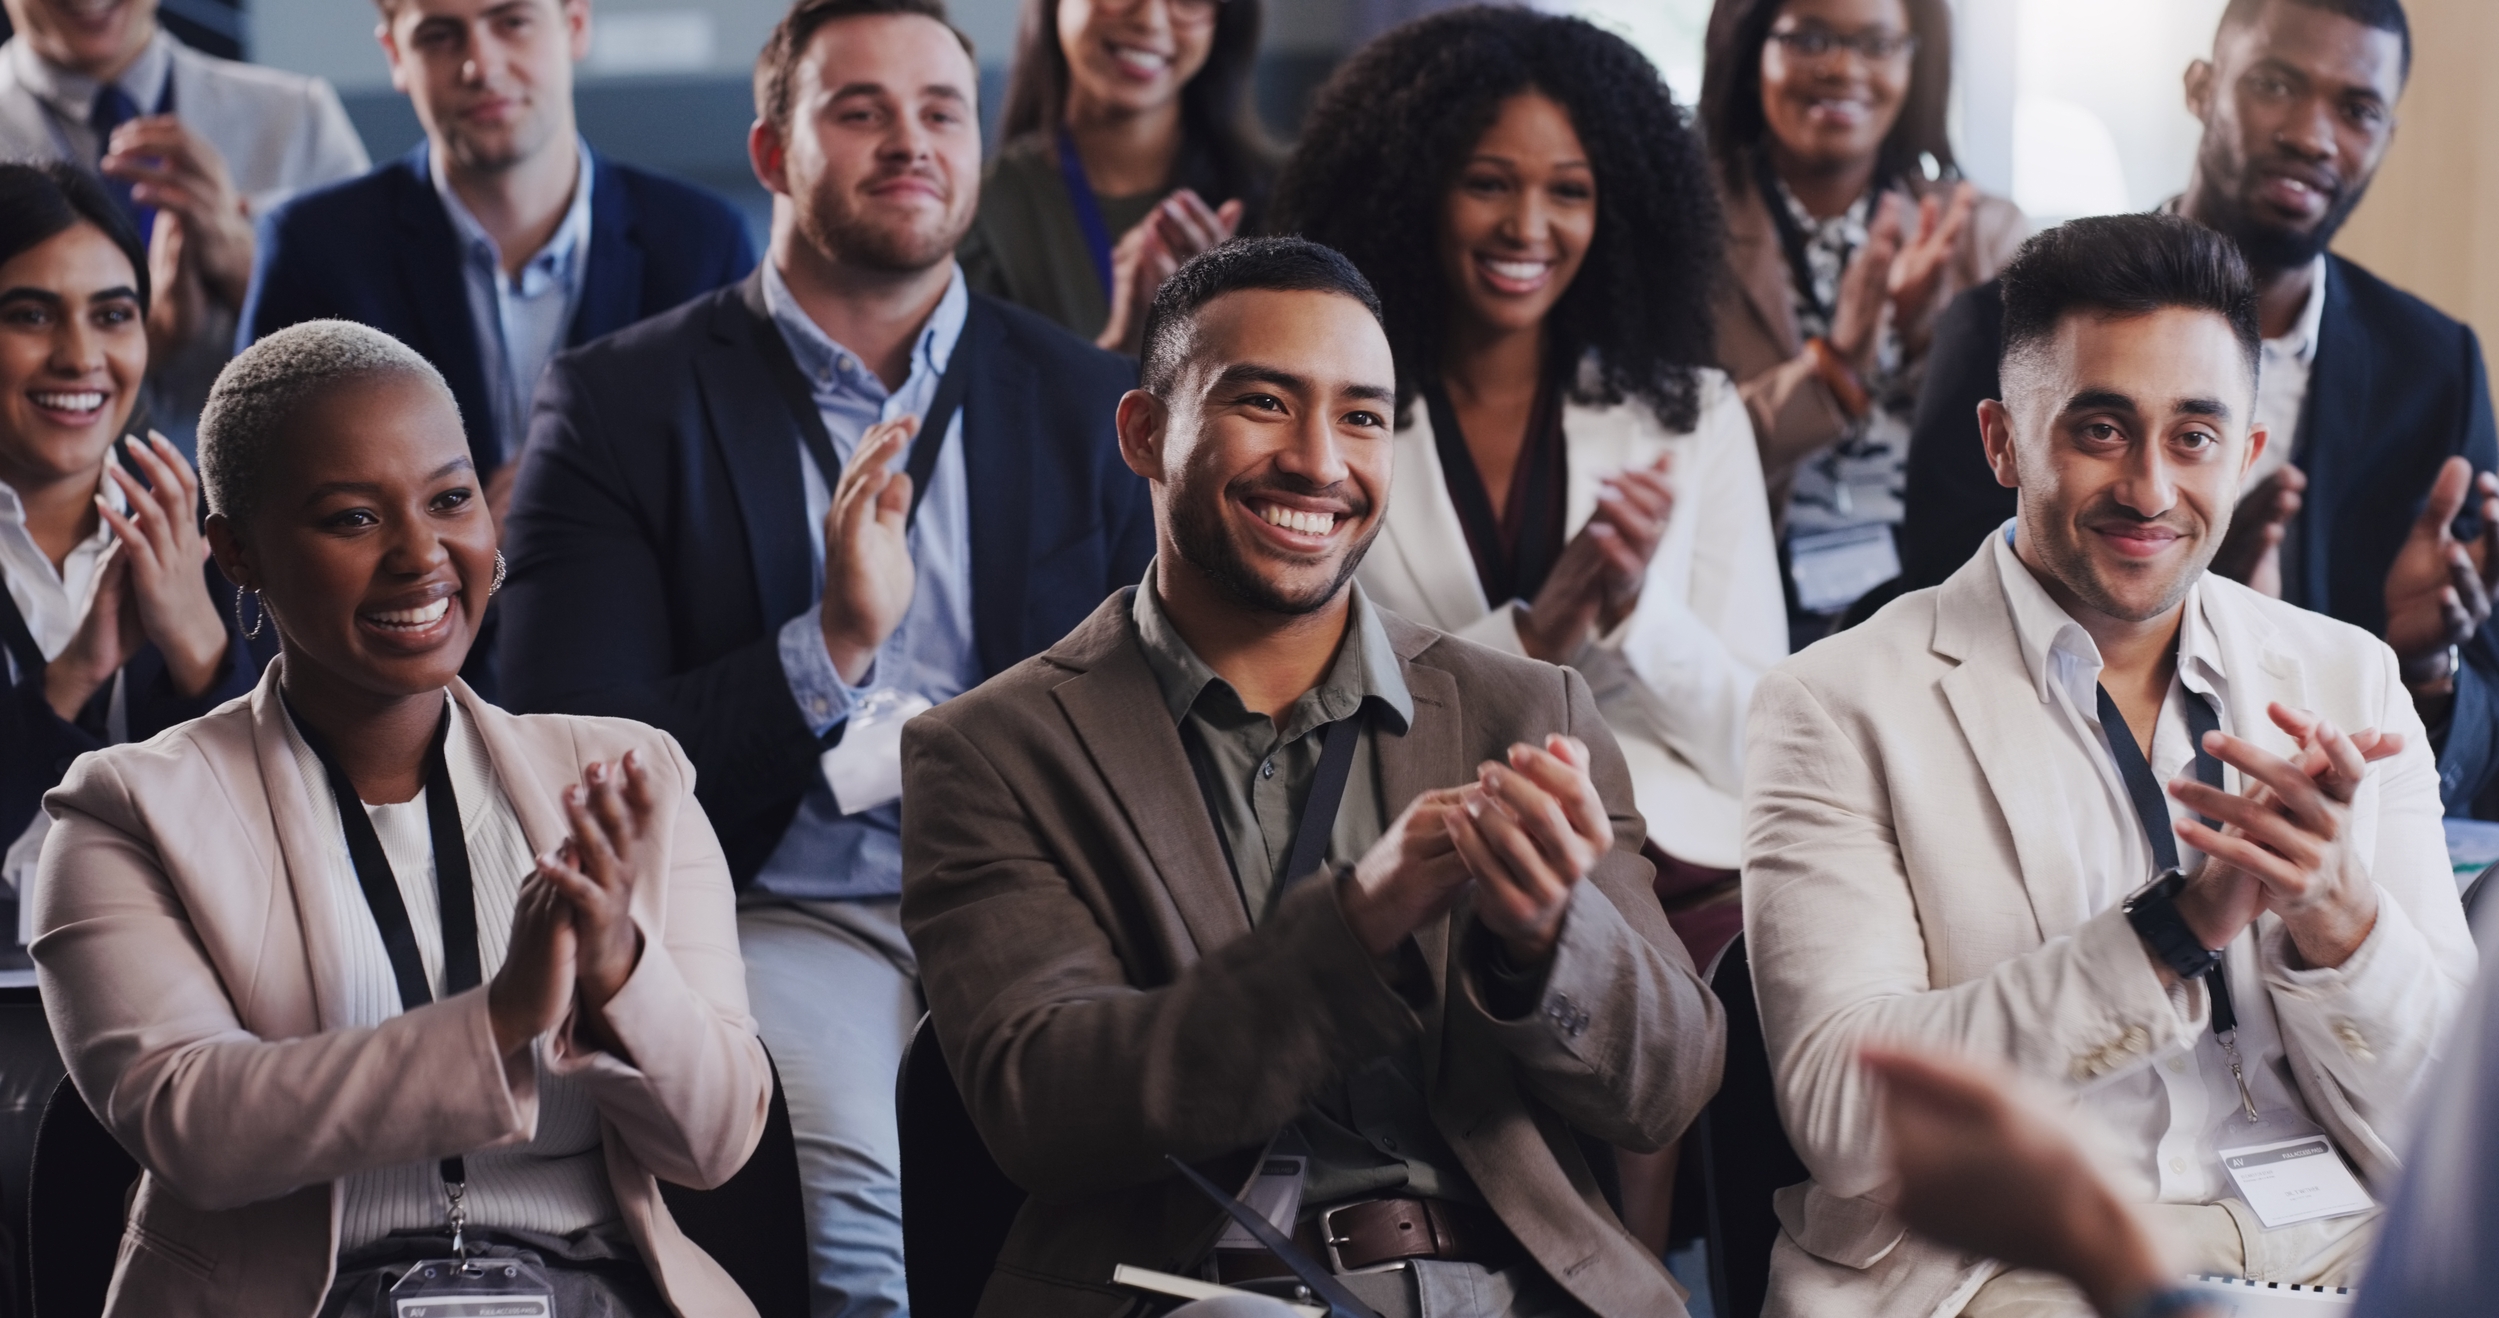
1672, 681
187, 972
1909, 877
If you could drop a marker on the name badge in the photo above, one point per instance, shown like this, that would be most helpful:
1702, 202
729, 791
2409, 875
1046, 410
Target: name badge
865, 770
2295, 1180
1833, 569
473, 1288
1276, 1195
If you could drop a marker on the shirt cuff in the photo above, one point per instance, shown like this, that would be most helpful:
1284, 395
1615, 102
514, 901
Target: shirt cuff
824, 699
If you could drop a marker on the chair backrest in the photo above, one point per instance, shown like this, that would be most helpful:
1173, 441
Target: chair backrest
754, 1225
1745, 1154
956, 1204
77, 1193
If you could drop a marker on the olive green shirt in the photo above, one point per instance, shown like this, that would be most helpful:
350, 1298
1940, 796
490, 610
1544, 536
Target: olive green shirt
1025, 245
1371, 1133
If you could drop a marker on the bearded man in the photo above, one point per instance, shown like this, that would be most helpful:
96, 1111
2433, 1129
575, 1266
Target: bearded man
2103, 816
782, 518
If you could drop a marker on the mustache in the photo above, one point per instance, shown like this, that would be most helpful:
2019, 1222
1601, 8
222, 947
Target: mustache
2324, 179
2106, 512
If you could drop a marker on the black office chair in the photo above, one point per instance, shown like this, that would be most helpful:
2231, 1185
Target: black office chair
77, 1193
1745, 1154
29, 1068
956, 1204
754, 1225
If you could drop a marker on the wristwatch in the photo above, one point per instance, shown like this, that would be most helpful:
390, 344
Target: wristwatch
2153, 912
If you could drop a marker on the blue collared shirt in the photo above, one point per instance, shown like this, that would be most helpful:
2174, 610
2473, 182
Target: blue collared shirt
827, 854
520, 321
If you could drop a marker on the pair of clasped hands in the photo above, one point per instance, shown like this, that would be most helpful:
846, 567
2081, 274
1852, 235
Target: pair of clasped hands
1521, 836
573, 933
2285, 842
1596, 582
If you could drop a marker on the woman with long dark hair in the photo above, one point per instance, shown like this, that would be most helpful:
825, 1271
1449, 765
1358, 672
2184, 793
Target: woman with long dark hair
1574, 479
1847, 231
1130, 145
111, 622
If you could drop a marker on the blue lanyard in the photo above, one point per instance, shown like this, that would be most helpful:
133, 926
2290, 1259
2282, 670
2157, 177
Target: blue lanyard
1080, 198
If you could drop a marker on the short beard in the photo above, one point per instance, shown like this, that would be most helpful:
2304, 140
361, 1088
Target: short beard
1197, 532
838, 231
2075, 570
2270, 246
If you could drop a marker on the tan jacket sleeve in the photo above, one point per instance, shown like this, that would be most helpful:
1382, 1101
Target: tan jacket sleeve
222, 1117
690, 1092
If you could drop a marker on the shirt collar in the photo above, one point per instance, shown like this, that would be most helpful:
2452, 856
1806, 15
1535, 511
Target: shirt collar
1365, 668
2049, 634
563, 246
72, 94
2301, 342
828, 364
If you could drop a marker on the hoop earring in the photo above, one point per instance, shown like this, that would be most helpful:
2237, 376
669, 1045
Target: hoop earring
252, 632
501, 569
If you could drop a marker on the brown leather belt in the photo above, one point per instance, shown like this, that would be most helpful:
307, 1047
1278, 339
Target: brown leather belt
1372, 1232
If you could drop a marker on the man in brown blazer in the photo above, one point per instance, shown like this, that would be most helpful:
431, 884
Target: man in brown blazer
1247, 870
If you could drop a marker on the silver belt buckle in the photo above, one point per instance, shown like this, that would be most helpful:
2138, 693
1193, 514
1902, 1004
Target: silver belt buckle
1328, 1242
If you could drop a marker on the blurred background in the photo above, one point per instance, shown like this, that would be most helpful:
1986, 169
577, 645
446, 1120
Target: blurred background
2070, 107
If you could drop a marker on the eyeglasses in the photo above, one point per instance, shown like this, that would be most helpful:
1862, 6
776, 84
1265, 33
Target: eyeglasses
1874, 46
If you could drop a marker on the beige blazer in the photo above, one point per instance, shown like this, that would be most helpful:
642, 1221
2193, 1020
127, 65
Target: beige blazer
1909, 876
184, 968
1794, 412
1103, 1000
1674, 680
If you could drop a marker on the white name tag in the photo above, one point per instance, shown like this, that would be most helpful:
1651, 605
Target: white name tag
1276, 1194
865, 770
2295, 1180
1833, 568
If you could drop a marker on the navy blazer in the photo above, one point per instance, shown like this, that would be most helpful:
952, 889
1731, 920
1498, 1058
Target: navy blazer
380, 250
658, 534
37, 744
2395, 389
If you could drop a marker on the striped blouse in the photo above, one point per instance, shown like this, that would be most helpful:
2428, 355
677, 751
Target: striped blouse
556, 1181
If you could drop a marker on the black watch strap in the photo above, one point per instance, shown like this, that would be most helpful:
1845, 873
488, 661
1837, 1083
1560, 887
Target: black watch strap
2154, 914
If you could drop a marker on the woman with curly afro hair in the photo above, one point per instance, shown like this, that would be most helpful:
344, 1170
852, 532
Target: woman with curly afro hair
1574, 479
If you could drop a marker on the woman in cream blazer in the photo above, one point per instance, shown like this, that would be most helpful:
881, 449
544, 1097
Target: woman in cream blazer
217, 976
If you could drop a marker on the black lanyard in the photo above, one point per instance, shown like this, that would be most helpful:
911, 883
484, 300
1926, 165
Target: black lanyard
455, 895
925, 444
1793, 241
1327, 795
2152, 807
19, 639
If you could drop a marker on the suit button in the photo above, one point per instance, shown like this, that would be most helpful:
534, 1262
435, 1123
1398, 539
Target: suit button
2136, 1040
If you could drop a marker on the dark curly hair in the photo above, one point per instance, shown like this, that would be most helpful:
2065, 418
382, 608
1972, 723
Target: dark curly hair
1383, 147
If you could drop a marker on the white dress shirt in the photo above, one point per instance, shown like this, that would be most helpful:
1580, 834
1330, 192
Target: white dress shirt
520, 320
2282, 384
555, 1182
2177, 1114
53, 603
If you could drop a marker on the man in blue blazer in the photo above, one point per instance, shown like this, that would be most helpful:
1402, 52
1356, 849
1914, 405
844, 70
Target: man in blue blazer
2377, 401
779, 520
502, 238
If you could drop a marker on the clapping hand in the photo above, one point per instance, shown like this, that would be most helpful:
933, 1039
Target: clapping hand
1529, 831
151, 588
613, 847
1180, 226
2285, 844
868, 574
203, 242
2251, 553
2435, 592
1916, 275
1596, 583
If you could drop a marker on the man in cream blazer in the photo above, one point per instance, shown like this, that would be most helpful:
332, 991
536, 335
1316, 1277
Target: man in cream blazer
1944, 846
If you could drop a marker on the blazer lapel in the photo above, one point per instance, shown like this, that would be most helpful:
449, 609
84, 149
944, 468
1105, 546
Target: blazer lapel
1760, 267
1997, 705
533, 802
1431, 754
305, 841
2334, 420
1422, 534
1117, 711
436, 289
611, 291
759, 443
997, 468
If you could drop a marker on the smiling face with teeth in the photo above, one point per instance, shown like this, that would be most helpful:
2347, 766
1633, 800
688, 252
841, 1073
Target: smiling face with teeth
1832, 113
1270, 458
370, 543
73, 349
1519, 218
1127, 57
